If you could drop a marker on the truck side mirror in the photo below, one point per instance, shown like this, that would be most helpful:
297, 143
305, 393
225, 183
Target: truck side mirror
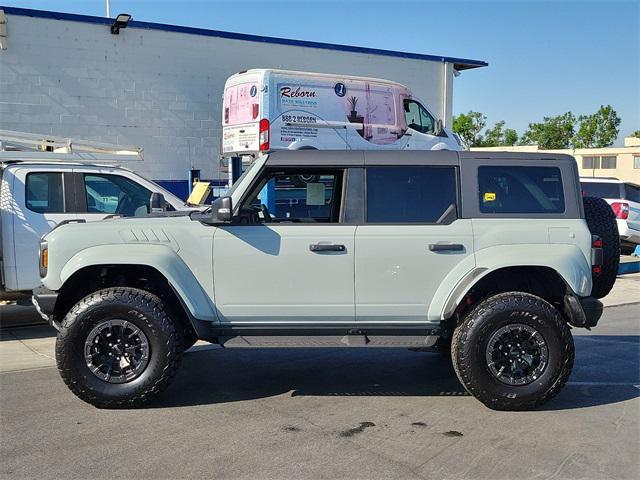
222, 209
438, 128
157, 203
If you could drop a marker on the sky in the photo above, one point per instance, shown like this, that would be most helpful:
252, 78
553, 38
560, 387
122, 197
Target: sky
545, 57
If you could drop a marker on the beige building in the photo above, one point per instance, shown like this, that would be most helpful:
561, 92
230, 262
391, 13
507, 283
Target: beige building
619, 162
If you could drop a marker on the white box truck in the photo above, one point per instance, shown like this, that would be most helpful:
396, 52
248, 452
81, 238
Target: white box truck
266, 109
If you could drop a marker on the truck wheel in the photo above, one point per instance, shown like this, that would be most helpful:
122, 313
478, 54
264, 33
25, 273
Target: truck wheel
602, 222
118, 348
513, 351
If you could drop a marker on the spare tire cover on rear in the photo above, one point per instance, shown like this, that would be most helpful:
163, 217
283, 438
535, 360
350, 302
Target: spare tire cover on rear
602, 222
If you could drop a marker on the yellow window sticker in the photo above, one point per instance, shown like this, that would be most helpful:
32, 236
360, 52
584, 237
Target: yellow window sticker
489, 196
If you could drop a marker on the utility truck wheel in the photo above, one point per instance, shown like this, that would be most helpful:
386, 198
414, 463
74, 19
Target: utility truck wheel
513, 351
602, 222
118, 348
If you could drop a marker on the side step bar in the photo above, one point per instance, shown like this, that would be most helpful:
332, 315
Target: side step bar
320, 341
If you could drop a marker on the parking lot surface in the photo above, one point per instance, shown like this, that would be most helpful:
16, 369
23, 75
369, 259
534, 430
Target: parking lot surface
326, 413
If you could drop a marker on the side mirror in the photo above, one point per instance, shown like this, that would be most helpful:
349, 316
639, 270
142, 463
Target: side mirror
157, 203
438, 128
222, 209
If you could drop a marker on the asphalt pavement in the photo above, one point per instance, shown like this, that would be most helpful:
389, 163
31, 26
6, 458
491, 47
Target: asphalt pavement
326, 413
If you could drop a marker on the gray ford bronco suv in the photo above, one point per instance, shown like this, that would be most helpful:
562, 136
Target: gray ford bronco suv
488, 256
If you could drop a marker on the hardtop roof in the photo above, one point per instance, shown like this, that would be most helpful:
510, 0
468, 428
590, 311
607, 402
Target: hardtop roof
302, 158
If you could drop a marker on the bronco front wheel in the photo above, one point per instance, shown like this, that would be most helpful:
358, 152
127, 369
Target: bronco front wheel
514, 351
118, 348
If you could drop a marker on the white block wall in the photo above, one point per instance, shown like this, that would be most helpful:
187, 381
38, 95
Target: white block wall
161, 90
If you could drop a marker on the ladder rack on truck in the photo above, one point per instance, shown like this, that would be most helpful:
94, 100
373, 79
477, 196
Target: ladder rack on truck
25, 146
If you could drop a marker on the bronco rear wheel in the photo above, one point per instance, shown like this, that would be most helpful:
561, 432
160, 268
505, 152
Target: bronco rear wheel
513, 351
118, 348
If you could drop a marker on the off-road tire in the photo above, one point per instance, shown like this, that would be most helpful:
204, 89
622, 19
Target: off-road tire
148, 313
602, 222
470, 341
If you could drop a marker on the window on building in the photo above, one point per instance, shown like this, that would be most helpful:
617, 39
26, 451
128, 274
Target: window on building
409, 194
115, 194
45, 193
589, 163
593, 162
608, 161
636, 161
513, 189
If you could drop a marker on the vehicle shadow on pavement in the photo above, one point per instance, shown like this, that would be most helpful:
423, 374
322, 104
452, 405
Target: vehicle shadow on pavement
606, 371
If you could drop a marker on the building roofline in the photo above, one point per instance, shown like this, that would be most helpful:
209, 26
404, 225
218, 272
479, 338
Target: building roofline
459, 63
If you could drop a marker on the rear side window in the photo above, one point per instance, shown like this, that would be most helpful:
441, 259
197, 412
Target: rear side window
600, 189
515, 189
45, 192
420, 194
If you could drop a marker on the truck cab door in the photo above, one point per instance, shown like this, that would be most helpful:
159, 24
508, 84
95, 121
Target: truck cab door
43, 197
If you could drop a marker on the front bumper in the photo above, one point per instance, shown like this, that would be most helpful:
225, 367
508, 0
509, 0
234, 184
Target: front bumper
45, 302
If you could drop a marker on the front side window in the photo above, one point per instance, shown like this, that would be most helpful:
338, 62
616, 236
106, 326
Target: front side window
417, 117
295, 196
517, 189
636, 161
420, 194
114, 194
44, 192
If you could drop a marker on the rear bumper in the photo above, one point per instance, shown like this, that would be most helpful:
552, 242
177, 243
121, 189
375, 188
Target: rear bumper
45, 302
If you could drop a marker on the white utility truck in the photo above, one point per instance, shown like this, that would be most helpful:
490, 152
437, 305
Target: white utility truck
40, 190
266, 109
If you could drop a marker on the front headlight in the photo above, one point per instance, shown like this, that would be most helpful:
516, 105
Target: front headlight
43, 258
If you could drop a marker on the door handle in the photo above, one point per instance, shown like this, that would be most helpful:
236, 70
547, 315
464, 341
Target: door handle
326, 247
446, 247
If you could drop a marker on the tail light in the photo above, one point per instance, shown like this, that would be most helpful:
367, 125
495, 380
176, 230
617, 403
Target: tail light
264, 135
621, 209
255, 108
597, 255
226, 114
